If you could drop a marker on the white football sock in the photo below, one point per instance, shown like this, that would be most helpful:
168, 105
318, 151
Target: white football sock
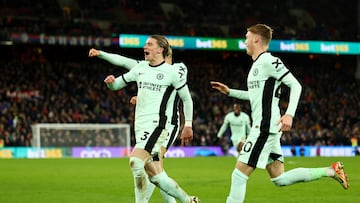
330, 172
170, 187
166, 197
140, 179
150, 190
238, 187
299, 175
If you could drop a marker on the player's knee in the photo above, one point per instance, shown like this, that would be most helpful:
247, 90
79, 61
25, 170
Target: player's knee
154, 180
280, 180
136, 165
138, 171
158, 178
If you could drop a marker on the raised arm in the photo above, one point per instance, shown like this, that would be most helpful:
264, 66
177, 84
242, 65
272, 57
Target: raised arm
114, 59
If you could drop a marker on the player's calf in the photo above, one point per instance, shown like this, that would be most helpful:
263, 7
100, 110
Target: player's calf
140, 178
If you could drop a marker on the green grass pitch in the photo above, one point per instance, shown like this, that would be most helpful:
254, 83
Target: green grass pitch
109, 181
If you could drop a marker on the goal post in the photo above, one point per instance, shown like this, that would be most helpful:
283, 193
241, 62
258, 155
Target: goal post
81, 136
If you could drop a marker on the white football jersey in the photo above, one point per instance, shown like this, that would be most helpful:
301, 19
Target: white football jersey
239, 126
173, 105
263, 82
155, 86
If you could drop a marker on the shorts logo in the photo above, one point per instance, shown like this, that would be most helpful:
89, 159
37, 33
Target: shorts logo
160, 76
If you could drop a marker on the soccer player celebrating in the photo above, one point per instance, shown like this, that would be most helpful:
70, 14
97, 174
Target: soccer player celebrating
262, 147
155, 80
239, 123
172, 110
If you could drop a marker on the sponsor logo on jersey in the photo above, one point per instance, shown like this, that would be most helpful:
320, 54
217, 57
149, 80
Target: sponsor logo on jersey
253, 84
151, 86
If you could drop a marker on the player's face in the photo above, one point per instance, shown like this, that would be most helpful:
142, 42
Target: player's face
152, 49
249, 42
237, 109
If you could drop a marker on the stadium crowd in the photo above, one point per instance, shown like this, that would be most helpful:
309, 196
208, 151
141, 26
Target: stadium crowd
38, 86
60, 84
292, 19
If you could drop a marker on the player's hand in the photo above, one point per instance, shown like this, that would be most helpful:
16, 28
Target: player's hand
285, 122
109, 79
186, 136
94, 52
133, 100
240, 146
220, 87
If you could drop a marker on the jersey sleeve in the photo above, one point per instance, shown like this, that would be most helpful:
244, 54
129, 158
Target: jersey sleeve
275, 67
239, 94
278, 70
118, 60
182, 71
223, 127
179, 83
119, 83
295, 93
185, 96
123, 80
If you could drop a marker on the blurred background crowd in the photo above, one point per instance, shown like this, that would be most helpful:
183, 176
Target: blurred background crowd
292, 19
60, 84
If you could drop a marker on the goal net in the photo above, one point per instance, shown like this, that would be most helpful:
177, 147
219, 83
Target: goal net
82, 140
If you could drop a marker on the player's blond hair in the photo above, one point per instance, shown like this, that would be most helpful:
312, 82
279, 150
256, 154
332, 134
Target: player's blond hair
262, 30
170, 53
163, 43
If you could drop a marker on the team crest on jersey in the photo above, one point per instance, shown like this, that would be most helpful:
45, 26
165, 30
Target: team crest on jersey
160, 76
255, 71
